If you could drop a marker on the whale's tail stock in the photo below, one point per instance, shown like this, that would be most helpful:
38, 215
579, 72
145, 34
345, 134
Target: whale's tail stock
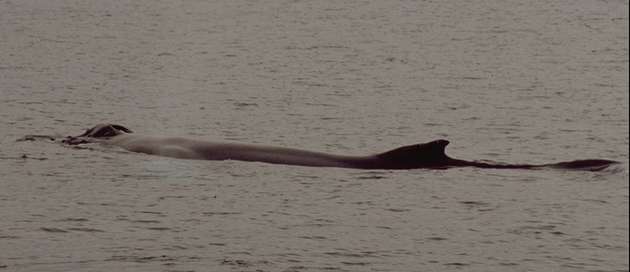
587, 165
433, 155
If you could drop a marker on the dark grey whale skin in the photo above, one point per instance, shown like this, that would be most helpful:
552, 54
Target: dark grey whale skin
430, 155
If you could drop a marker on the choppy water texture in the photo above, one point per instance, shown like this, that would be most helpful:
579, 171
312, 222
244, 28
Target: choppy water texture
511, 81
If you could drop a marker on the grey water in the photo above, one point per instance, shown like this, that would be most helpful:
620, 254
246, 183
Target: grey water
508, 81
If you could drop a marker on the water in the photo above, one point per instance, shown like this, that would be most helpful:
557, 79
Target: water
523, 82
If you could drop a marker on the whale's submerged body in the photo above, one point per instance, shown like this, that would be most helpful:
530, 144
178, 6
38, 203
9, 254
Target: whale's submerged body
427, 155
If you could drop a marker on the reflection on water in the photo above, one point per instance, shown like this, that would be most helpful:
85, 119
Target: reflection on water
510, 82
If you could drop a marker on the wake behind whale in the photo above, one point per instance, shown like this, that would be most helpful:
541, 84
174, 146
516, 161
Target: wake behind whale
430, 155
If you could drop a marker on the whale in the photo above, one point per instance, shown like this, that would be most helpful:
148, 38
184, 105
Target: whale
429, 155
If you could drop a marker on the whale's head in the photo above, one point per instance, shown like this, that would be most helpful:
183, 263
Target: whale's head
98, 132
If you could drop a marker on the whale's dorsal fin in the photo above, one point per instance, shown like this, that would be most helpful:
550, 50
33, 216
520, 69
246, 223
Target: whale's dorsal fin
429, 154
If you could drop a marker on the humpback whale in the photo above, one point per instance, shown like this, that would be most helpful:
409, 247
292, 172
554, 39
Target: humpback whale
430, 155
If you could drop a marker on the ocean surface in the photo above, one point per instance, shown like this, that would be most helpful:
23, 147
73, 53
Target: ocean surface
509, 81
